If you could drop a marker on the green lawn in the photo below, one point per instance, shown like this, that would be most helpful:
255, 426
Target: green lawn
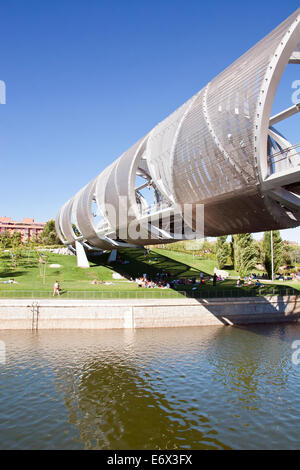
77, 282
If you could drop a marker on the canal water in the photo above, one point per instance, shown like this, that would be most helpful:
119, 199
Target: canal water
173, 388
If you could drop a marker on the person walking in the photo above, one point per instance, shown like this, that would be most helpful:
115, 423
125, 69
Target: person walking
56, 288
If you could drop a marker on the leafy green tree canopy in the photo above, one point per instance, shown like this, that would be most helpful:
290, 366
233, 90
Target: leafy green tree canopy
245, 253
222, 251
277, 252
49, 235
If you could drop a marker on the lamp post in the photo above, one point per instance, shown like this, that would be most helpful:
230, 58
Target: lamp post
272, 255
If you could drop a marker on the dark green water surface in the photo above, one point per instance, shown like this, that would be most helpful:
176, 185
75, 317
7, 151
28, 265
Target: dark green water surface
179, 388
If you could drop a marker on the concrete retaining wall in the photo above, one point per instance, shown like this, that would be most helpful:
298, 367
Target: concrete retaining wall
136, 313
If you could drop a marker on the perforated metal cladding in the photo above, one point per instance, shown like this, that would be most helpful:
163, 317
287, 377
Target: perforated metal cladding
214, 152
243, 213
201, 171
232, 100
159, 149
58, 226
65, 221
100, 188
76, 199
121, 181
111, 193
84, 215
126, 170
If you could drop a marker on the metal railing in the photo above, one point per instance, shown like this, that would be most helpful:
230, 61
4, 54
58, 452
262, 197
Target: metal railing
152, 293
284, 159
243, 292
93, 295
155, 208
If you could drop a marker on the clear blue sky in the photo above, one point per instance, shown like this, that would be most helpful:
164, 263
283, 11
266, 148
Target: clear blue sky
86, 79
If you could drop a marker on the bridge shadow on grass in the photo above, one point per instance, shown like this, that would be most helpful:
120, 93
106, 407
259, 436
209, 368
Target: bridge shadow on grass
242, 306
11, 274
131, 262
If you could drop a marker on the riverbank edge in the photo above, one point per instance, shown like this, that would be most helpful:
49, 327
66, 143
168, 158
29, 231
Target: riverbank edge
145, 313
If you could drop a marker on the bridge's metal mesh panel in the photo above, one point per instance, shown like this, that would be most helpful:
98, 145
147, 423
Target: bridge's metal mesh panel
76, 200
201, 171
58, 225
201, 153
118, 183
84, 214
214, 153
65, 221
159, 149
124, 168
100, 188
233, 97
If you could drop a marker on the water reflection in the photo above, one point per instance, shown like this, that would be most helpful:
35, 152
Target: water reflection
211, 387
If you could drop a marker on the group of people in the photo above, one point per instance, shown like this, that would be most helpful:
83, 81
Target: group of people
249, 281
95, 282
163, 281
149, 283
184, 281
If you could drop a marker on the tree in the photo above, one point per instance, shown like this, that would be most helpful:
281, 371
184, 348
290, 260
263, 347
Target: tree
235, 252
5, 258
287, 254
259, 250
245, 254
277, 252
222, 251
16, 239
5, 240
296, 255
231, 250
30, 246
49, 235
16, 255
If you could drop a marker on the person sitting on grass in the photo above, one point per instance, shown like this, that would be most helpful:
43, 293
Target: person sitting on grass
11, 281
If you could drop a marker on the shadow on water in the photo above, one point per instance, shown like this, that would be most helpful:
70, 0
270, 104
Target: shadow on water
116, 403
114, 408
168, 388
287, 332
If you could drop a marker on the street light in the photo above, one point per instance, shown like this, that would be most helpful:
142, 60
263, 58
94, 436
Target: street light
272, 255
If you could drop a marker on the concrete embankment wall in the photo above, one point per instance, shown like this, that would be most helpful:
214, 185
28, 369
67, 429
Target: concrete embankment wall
149, 313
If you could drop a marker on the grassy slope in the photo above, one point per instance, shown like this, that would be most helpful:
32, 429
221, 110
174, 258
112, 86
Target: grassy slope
71, 278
